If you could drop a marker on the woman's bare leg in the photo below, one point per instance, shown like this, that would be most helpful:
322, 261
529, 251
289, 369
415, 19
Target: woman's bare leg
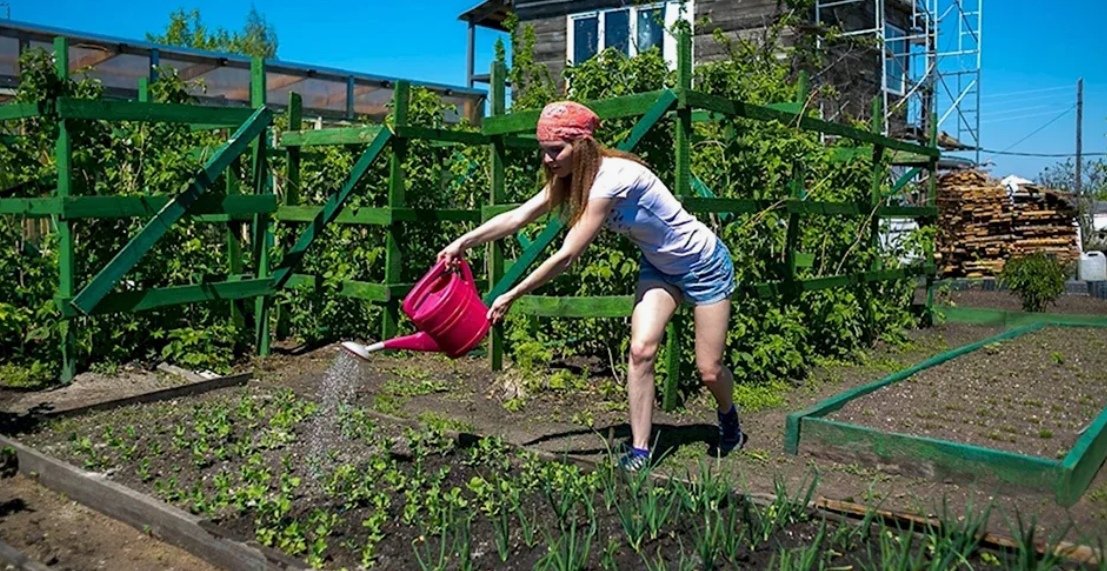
654, 306
712, 324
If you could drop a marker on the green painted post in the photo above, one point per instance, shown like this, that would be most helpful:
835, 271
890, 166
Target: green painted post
144, 90
932, 201
292, 191
393, 269
796, 191
263, 227
683, 188
63, 154
875, 198
234, 245
497, 195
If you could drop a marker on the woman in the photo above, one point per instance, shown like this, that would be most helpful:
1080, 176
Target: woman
682, 259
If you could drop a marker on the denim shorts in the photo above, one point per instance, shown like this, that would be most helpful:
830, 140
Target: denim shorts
710, 281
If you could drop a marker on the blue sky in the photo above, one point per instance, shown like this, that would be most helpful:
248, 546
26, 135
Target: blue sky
1032, 56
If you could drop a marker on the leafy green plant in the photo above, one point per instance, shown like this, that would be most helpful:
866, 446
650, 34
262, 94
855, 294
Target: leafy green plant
1038, 279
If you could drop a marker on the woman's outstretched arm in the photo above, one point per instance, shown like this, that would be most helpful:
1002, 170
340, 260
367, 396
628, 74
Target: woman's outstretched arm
503, 224
576, 242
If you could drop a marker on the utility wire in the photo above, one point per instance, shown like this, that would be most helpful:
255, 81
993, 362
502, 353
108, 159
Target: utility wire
1038, 130
1044, 155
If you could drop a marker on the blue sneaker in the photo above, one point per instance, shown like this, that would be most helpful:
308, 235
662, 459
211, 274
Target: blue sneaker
634, 459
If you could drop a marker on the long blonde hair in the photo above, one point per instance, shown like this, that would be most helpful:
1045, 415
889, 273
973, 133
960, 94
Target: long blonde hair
571, 192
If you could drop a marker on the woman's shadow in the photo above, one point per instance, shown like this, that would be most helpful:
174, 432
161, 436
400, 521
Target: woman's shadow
665, 439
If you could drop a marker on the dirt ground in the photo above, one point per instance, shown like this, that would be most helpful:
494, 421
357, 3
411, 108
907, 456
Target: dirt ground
1005, 300
1032, 395
586, 422
589, 415
65, 535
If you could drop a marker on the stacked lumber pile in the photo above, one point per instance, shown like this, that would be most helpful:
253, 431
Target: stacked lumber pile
981, 225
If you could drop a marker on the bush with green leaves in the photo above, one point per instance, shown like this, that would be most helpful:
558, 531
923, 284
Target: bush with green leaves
1038, 279
735, 158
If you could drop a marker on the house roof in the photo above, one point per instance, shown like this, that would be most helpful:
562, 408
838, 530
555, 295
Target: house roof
489, 14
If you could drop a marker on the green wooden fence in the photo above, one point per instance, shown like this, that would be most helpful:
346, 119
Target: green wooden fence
499, 131
690, 106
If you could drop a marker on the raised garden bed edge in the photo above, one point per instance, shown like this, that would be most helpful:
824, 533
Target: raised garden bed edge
1068, 478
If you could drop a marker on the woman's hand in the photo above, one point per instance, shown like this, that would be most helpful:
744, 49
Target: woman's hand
452, 253
501, 306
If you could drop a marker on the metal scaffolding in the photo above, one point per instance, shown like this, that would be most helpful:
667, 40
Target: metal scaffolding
930, 62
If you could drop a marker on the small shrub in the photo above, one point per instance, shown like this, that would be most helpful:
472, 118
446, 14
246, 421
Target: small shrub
1037, 279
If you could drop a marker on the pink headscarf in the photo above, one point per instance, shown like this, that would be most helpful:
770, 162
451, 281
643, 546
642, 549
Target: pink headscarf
566, 121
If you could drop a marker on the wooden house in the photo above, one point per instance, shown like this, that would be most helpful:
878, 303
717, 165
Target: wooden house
569, 31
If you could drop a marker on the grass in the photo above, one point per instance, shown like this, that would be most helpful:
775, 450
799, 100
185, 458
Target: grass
762, 396
35, 377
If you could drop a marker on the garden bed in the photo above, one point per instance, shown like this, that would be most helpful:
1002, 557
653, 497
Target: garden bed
338, 486
1005, 410
1034, 395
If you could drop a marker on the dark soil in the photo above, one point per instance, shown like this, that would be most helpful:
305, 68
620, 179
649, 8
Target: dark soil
1031, 395
1005, 300
63, 534
242, 458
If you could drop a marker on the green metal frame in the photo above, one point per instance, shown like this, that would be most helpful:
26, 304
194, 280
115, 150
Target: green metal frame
1068, 478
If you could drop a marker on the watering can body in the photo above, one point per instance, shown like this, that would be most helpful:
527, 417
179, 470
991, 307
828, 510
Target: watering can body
446, 309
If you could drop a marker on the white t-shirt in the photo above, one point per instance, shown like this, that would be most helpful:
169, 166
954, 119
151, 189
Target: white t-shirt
647, 213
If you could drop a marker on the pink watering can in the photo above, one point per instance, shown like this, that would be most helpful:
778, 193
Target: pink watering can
447, 311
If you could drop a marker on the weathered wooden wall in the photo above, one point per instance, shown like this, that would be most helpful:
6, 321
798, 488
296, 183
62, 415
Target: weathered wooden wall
855, 72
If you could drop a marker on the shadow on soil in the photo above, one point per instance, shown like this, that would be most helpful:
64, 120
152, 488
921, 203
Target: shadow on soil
666, 439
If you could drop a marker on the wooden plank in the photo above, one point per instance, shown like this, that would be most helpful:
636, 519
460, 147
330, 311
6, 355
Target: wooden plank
497, 194
163, 521
762, 113
366, 291
938, 459
331, 136
129, 256
1083, 461
908, 212
577, 307
328, 212
655, 113
79, 207
434, 215
393, 255
263, 223
145, 300
36, 207
487, 212
792, 423
191, 389
17, 111
613, 108
367, 216
291, 198
682, 136
520, 142
114, 110
428, 134
63, 157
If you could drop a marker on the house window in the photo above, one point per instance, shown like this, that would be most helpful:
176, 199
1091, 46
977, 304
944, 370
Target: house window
630, 31
895, 59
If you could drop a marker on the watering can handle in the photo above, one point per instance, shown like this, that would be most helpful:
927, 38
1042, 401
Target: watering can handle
466, 272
